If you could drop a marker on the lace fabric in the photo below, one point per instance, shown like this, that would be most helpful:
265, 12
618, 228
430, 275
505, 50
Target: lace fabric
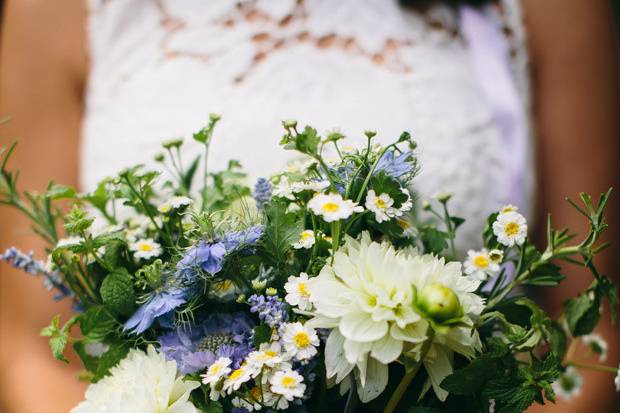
158, 67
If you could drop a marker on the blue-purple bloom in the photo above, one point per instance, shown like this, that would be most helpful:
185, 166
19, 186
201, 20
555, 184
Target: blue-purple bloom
271, 310
206, 256
395, 166
27, 263
262, 192
157, 305
240, 239
220, 335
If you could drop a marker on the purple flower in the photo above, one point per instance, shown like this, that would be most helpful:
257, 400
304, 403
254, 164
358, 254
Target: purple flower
271, 310
395, 166
207, 256
262, 192
220, 335
240, 239
27, 263
157, 305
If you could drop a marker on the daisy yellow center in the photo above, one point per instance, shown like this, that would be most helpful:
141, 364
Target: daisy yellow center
380, 203
331, 207
145, 247
306, 235
215, 369
481, 261
288, 382
301, 339
303, 290
511, 228
270, 353
236, 374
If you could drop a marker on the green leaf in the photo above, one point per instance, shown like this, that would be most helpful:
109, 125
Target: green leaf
117, 292
434, 240
188, 178
60, 192
471, 379
90, 363
281, 231
77, 221
214, 407
262, 334
97, 323
308, 141
58, 336
110, 358
546, 275
582, 314
424, 409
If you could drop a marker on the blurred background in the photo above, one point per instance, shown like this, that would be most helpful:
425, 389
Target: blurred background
146, 68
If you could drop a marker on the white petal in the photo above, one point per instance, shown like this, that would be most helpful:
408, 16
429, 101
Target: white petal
439, 367
336, 363
413, 333
356, 352
361, 327
376, 381
386, 350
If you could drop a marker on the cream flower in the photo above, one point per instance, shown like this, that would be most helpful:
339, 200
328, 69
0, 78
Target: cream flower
268, 357
480, 265
508, 208
332, 207
142, 382
176, 202
300, 341
146, 249
381, 206
510, 228
297, 293
217, 371
239, 376
569, 384
597, 345
288, 383
306, 240
314, 186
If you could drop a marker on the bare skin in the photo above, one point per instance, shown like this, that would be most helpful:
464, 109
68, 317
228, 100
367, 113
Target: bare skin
43, 67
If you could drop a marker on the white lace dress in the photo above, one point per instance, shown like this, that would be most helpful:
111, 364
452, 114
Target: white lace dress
159, 67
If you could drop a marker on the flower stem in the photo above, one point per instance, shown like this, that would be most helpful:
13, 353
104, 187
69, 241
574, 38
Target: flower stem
408, 377
597, 367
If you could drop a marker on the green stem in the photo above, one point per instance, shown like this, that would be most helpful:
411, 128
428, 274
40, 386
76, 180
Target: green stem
335, 238
206, 175
597, 367
408, 377
450, 228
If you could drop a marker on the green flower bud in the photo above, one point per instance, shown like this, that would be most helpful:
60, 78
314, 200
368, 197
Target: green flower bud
289, 123
159, 157
172, 143
214, 117
370, 133
271, 291
439, 303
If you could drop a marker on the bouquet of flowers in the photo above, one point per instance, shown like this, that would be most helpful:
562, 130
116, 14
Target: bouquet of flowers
327, 287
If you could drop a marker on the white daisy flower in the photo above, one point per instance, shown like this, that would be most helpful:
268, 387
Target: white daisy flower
176, 202
496, 256
480, 265
617, 380
408, 204
216, 371
306, 240
284, 189
288, 383
510, 228
256, 360
300, 341
146, 249
314, 186
140, 382
332, 207
297, 291
569, 384
380, 205
597, 345
508, 208
242, 375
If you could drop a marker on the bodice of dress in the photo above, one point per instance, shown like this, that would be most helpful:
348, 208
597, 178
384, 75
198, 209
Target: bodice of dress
159, 67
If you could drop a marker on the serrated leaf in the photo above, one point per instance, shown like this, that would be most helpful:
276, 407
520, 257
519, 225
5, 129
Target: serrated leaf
58, 336
547, 275
434, 240
582, 314
117, 292
97, 323
281, 231
90, 363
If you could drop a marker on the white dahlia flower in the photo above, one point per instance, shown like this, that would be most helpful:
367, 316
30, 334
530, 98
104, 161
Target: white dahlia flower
380, 303
141, 383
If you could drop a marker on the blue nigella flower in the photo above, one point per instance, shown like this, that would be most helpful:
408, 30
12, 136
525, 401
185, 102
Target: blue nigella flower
262, 192
206, 256
27, 263
220, 335
157, 305
395, 166
271, 310
240, 239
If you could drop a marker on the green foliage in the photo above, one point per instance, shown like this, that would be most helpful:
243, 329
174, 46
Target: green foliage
117, 292
281, 230
434, 240
262, 334
77, 221
58, 337
109, 359
546, 275
214, 407
97, 323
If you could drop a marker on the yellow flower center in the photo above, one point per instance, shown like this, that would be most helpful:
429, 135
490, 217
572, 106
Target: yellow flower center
331, 207
288, 382
302, 288
508, 209
214, 369
223, 285
270, 353
403, 224
481, 261
145, 247
380, 203
236, 374
301, 339
511, 228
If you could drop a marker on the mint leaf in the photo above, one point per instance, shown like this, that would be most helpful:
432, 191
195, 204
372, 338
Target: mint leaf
117, 292
582, 314
281, 231
262, 334
97, 323
58, 336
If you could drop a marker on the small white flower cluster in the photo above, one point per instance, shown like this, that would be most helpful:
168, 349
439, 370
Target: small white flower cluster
174, 203
382, 205
145, 249
597, 345
286, 189
569, 384
482, 264
266, 377
332, 207
510, 227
